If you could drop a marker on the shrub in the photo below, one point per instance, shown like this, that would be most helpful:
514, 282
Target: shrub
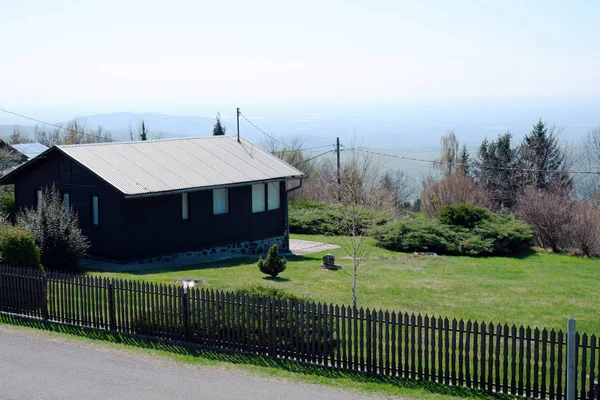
7, 202
419, 234
17, 247
465, 215
506, 234
273, 265
56, 231
498, 235
584, 229
269, 291
549, 213
320, 218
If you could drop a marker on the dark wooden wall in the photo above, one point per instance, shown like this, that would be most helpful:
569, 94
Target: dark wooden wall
133, 228
154, 224
81, 184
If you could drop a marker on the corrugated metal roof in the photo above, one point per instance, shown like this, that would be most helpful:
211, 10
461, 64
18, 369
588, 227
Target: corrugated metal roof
30, 149
154, 166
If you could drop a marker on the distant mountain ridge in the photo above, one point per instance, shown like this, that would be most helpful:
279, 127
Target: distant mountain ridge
167, 125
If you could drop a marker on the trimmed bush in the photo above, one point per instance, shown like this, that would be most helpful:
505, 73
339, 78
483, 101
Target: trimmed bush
494, 235
465, 215
419, 234
507, 235
273, 265
330, 219
18, 248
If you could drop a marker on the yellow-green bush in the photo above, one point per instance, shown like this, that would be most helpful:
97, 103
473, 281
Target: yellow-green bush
18, 248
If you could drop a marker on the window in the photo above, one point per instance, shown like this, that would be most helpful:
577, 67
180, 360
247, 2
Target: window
95, 214
185, 206
220, 201
258, 198
66, 200
39, 196
274, 198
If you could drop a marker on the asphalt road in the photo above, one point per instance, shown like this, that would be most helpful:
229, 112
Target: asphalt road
36, 365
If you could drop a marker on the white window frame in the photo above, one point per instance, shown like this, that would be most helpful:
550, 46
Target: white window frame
258, 198
67, 201
273, 196
220, 201
95, 211
185, 206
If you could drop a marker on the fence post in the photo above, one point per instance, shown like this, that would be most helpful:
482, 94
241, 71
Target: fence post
185, 309
111, 307
571, 359
44, 295
271, 328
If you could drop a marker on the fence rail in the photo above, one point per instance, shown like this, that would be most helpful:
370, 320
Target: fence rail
523, 361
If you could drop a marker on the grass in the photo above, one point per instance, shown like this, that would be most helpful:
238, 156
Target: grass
254, 365
537, 289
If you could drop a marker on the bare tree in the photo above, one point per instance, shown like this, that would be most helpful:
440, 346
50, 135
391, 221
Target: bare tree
399, 186
15, 138
132, 134
452, 189
448, 153
9, 158
549, 212
74, 132
590, 184
584, 228
359, 178
291, 151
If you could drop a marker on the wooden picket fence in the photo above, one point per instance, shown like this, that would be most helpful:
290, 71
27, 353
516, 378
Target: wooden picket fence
522, 361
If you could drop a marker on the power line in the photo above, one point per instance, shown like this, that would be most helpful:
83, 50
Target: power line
307, 149
58, 126
472, 165
265, 133
312, 158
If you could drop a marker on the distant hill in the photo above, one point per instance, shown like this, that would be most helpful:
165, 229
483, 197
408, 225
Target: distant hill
167, 125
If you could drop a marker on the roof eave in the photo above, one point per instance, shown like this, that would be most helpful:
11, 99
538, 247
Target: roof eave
202, 188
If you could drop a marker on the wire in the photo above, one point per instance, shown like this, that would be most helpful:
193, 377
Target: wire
59, 126
308, 149
265, 133
312, 158
472, 165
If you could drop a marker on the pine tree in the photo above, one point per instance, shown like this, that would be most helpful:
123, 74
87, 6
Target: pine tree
462, 162
219, 130
143, 132
541, 153
495, 170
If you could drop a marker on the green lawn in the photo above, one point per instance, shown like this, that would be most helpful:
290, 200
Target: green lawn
537, 290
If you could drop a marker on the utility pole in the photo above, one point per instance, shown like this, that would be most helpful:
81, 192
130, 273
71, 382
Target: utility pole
338, 169
238, 124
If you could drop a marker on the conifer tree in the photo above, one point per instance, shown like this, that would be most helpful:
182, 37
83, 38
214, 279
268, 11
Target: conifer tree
143, 132
541, 153
496, 172
219, 129
462, 162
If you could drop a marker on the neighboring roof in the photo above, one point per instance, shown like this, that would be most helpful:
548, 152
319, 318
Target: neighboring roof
162, 166
30, 149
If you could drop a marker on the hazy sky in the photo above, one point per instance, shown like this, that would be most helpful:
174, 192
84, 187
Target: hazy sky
174, 56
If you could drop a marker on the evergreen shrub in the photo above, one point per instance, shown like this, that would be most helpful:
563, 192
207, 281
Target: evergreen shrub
273, 265
18, 248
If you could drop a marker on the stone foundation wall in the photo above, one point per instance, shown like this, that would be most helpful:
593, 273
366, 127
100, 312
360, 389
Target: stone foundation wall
240, 248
